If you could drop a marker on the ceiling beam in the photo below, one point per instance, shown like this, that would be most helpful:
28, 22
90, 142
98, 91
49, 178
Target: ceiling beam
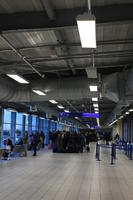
69, 45
64, 18
22, 68
52, 16
109, 54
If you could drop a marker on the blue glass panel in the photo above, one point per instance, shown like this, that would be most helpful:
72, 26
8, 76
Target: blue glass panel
18, 133
19, 118
7, 116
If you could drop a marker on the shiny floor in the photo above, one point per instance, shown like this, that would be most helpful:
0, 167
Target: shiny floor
67, 177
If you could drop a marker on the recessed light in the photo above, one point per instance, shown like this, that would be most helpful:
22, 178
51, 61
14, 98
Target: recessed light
94, 99
39, 92
67, 111
127, 113
53, 101
60, 106
95, 105
131, 110
93, 88
18, 78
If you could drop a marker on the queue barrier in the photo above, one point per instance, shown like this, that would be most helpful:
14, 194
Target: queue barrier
128, 148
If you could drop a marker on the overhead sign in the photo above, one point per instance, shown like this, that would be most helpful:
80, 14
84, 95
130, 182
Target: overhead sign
87, 115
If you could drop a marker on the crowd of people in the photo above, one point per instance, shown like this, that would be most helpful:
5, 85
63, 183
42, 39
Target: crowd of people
66, 142
63, 142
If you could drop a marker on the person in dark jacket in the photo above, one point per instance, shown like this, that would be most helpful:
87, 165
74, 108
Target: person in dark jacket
35, 143
42, 138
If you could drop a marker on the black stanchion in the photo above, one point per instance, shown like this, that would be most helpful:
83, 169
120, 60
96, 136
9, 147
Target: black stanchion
126, 148
97, 151
130, 151
113, 153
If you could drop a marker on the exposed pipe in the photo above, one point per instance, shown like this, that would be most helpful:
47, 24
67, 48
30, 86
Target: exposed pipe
20, 55
89, 5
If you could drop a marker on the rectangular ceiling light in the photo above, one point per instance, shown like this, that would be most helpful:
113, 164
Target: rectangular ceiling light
131, 110
94, 99
96, 112
87, 30
18, 78
39, 92
95, 105
127, 113
60, 106
93, 88
53, 101
67, 111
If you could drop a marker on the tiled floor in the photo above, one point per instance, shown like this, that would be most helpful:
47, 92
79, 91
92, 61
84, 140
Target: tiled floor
66, 177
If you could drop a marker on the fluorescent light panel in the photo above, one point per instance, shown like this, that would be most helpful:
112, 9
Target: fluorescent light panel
53, 101
87, 32
60, 106
96, 109
95, 105
67, 111
18, 78
127, 113
131, 110
39, 92
94, 99
93, 88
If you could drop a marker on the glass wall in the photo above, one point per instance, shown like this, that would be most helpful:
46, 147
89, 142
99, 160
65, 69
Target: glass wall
19, 132
34, 123
6, 125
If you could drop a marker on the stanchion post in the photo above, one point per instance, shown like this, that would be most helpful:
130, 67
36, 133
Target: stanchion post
98, 152
130, 148
112, 154
114, 151
126, 148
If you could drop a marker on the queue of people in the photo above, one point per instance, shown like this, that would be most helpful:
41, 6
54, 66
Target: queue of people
66, 142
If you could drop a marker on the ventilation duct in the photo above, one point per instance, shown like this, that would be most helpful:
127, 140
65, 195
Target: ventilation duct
58, 89
110, 87
130, 80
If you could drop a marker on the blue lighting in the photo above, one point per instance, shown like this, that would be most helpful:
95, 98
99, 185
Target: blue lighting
87, 115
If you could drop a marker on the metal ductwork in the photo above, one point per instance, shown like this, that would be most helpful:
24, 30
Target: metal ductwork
130, 80
110, 87
59, 89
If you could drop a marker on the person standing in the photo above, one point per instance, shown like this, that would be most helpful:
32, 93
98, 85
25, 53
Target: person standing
42, 138
35, 143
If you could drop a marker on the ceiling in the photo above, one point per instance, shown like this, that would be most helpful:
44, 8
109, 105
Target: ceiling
39, 39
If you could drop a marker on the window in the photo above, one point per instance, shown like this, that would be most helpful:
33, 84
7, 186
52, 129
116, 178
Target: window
6, 126
19, 127
34, 123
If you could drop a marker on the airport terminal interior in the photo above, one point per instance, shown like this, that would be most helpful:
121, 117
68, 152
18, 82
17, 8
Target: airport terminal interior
66, 99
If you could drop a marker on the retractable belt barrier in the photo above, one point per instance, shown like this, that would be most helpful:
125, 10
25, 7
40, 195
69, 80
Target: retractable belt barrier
128, 148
